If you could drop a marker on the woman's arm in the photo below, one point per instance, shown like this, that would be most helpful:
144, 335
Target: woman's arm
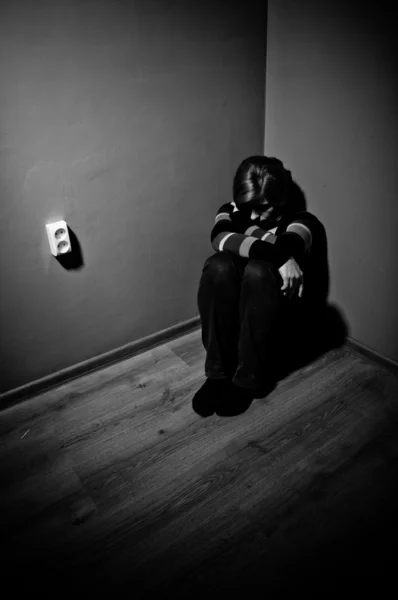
295, 242
298, 237
254, 242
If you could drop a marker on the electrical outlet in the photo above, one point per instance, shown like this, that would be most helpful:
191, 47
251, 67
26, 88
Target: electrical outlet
58, 236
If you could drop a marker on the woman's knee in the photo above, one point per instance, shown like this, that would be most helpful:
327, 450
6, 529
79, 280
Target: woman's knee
220, 267
260, 272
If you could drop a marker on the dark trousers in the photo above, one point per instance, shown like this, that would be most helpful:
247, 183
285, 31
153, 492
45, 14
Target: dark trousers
244, 316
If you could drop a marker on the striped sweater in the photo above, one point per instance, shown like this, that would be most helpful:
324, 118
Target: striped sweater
274, 240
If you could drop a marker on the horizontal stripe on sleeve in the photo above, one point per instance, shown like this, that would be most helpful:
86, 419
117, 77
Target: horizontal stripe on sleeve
303, 231
261, 234
252, 230
222, 216
223, 240
245, 246
269, 237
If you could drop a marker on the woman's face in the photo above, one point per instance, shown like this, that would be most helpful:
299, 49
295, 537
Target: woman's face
265, 211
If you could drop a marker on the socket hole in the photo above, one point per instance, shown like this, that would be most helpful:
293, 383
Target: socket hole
59, 233
63, 247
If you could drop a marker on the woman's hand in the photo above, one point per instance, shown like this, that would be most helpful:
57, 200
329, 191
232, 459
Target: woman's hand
292, 277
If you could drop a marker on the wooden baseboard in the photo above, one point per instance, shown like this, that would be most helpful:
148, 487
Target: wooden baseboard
44, 384
371, 354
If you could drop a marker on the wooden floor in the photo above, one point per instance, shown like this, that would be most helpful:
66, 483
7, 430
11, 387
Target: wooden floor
112, 484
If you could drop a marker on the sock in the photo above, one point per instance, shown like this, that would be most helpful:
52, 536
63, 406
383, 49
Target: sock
235, 401
241, 393
205, 400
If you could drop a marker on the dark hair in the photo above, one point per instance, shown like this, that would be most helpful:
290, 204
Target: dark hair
260, 180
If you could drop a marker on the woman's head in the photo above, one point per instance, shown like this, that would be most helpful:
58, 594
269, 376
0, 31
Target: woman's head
260, 184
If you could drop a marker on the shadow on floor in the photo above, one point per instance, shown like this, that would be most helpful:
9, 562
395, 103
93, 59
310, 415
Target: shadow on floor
308, 336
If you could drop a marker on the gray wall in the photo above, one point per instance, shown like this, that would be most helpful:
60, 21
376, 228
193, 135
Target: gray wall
127, 119
331, 116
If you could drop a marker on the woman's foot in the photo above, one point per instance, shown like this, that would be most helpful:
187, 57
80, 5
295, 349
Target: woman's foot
235, 401
206, 399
